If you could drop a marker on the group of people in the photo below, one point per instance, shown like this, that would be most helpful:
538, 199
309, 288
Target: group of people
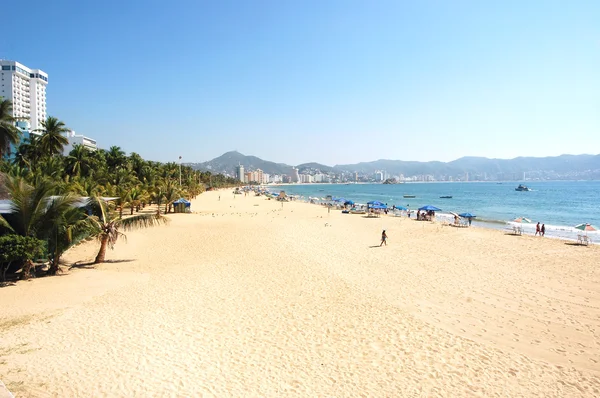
541, 230
425, 216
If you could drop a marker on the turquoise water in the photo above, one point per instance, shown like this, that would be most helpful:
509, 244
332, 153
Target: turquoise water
559, 204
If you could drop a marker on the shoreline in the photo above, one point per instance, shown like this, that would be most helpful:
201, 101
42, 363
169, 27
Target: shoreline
554, 230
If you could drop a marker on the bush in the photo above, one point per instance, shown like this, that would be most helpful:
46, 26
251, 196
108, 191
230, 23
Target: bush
18, 249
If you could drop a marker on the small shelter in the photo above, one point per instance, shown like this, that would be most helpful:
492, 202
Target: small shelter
182, 206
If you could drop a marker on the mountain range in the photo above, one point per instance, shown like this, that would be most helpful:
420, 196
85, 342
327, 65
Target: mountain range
562, 165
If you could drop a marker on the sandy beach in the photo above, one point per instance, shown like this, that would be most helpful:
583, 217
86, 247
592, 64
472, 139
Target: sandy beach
247, 297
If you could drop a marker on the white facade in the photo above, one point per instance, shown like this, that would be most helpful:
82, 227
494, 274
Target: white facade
266, 178
26, 88
306, 178
78, 139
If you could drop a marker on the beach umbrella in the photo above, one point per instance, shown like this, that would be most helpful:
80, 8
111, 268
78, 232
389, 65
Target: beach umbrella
374, 202
430, 208
401, 208
381, 206
586, 228
453, 213
467, 215
348, 202
522, 220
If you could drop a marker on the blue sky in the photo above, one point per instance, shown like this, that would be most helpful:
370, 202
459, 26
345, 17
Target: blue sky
327, 81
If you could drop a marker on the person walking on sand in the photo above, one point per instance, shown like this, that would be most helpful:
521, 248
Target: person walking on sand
383, 238
543, 230
537, 229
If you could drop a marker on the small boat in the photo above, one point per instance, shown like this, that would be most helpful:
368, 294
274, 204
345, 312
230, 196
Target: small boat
522, 188
445, 197
409, 196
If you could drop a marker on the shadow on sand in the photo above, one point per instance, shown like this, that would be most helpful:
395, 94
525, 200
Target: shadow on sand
91, 265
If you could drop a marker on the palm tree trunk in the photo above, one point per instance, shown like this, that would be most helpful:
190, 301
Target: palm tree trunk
26, 273
131, 209
102, 253
166, 208
54, 266
121, 212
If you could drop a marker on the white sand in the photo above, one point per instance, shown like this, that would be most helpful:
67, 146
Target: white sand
252, 299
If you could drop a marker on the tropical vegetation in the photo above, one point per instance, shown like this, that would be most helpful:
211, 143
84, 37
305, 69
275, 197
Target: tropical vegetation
46, 190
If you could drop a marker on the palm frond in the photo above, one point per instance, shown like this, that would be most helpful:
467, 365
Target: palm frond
141, 221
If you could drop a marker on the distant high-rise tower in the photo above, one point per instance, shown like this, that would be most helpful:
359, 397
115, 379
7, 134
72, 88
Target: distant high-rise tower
295, 175
240, 173
26, 88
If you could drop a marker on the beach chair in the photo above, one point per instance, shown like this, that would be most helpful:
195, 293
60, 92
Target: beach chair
580, 239
586, 240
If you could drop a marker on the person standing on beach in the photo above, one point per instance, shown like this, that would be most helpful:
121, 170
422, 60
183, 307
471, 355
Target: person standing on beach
543, 230
383, 238
537, 229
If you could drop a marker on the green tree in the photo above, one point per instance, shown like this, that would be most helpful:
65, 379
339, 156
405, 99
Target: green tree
35, 211
9, 133
16, 248
107, 226
52, 140
78, 162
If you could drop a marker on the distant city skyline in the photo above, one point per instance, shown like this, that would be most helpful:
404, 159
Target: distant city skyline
330, 82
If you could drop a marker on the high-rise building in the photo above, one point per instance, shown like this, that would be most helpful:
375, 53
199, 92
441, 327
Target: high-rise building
295, 176
239, 173
26, 88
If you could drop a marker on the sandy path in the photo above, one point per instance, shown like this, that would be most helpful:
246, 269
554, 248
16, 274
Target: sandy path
252, 299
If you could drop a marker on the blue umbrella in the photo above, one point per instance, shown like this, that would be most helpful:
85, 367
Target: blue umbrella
375, 202
467, 215
381, 206
430, 208
348, 202
401, 208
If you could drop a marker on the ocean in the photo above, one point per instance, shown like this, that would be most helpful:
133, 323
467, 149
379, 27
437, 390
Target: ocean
558, 204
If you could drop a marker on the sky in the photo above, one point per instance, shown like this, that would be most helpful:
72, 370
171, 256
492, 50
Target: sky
334, 82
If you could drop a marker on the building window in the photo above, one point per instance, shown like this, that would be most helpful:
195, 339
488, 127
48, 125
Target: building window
6, 67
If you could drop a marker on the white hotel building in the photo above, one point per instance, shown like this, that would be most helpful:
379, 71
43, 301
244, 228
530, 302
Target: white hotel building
26, 88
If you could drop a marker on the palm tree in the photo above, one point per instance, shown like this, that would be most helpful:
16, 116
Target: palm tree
78, 161
9, 133
171, 194
69, 228
107, 226
52, 140
136, 197
115, 158
35, 212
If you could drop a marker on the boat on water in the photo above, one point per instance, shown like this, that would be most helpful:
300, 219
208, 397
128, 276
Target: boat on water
522, 188
446, 197
409, 196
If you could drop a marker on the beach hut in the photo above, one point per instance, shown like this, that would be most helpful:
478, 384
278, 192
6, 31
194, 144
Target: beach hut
182, 206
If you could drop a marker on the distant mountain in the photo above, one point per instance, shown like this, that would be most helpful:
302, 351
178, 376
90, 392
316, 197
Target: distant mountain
227, 162
563, 164
314, 166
